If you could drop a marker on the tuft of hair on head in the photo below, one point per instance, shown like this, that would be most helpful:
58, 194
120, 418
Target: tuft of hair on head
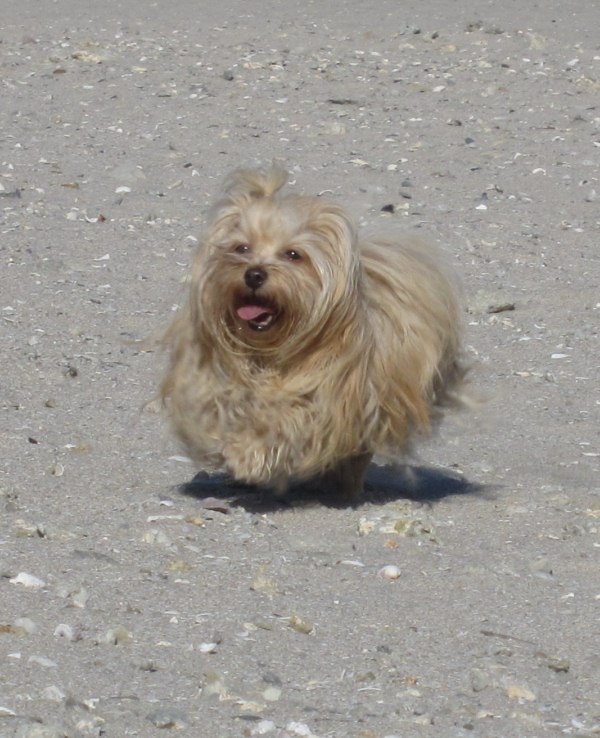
256, 183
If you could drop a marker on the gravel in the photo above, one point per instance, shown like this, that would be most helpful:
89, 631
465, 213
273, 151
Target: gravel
461, 599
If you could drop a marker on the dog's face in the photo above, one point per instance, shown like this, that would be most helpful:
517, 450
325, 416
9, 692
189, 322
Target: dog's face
274, 271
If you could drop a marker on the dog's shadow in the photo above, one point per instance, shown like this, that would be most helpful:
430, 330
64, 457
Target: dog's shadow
383, 484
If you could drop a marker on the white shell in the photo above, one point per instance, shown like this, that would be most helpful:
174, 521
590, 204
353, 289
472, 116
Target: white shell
390, 571
27, 580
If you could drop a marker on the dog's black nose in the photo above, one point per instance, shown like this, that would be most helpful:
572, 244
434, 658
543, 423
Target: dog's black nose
255, 278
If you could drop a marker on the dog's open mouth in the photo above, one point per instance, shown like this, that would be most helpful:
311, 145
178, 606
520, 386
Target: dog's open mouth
260, 315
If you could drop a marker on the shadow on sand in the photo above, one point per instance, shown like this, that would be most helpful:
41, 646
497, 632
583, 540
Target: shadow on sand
383, 484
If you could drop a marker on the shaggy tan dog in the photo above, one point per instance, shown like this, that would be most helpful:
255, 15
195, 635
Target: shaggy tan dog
303, 350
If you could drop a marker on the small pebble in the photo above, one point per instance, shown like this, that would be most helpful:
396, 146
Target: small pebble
53, 694
365, 527
480, 680
92, 726
80, 597
213, 683
251, 707
271, 678
57, 469
559, 665
168, 718
63, 630
300, 729
42, 661
28, 530
26, 625
271, 694
516, 692
425, 719
352, 562
195, 520
157, 537
263, 727
116, 636
542, 568
27, 580
300, 625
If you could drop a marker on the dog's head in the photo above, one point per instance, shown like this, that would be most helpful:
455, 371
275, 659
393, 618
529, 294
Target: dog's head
273, 272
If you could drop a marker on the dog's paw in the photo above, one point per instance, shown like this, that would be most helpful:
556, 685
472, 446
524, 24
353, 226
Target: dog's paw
257, 461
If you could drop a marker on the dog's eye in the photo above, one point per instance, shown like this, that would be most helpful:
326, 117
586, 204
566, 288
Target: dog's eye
293, 255
241, 248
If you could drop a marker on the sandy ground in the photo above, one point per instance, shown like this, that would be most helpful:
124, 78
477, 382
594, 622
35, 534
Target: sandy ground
131, 607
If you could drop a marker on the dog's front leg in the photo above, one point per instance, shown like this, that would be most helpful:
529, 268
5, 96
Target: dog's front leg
346, 480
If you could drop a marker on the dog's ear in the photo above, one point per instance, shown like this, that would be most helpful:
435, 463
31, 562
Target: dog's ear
253, 184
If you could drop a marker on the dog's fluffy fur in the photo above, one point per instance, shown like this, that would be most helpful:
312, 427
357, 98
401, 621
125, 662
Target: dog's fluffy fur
302, 350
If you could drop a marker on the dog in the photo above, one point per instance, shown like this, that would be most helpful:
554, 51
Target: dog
302, 349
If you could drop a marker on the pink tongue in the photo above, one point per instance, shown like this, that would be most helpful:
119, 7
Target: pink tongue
252, 312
